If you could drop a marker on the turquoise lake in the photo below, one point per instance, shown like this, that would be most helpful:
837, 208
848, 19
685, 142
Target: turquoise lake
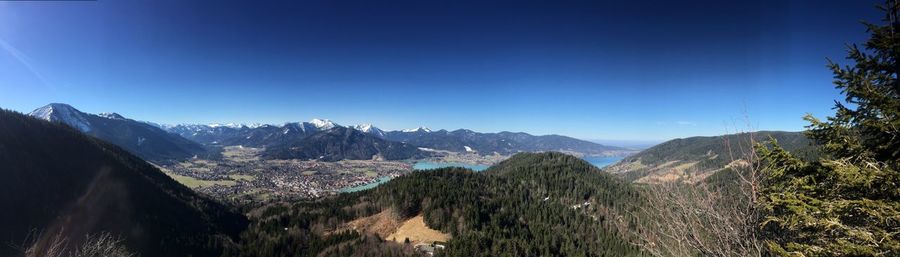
599, 161
380, 181
438, 165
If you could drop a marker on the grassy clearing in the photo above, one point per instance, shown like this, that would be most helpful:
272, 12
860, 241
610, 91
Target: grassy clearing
685, 166
198, 183
255, 194
242, 177
382, 224
198, 165
669, 172
241, 154
417, 232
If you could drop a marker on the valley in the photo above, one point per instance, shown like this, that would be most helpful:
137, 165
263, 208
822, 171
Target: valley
262, 163
242, 177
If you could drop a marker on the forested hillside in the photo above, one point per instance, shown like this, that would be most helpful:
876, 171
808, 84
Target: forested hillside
695, 158
546, 204
59, 183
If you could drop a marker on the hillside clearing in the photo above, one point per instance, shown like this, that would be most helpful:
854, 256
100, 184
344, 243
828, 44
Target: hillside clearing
388, 225
417, 232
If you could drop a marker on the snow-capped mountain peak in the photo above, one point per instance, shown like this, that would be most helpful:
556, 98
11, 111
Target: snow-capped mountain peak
419, 129
229, 125
63, 113
323, 124
111, 115
369, 129
364, 127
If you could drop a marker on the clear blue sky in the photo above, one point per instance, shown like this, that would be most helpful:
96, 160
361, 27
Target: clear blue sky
594, 69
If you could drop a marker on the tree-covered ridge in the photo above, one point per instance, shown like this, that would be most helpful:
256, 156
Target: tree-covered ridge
848, 203
59, 182
547, 204
704, 155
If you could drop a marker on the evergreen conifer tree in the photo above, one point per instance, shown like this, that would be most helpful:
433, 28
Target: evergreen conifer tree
848, 202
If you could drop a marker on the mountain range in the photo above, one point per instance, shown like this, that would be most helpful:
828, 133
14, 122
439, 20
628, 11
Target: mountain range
340, 143
464, 140
316, 139
461, 140
140, 138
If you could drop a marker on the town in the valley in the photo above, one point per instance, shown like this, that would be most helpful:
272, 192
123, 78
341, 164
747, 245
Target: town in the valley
240, 176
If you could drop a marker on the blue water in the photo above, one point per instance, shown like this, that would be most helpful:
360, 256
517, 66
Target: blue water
438, 165
417, 166
601, 161
380, 181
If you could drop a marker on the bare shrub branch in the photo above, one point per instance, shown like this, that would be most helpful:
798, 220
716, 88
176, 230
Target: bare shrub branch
97, 245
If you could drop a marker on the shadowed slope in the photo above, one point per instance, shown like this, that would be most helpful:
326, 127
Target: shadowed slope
61, 181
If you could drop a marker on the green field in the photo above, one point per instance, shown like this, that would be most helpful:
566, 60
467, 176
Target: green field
197, 183
242, 177
241, 154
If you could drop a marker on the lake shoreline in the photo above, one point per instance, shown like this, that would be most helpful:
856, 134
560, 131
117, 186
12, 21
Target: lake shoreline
598, 161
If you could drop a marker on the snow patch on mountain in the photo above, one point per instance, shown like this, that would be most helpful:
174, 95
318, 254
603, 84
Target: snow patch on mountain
323, 124
364, 127
419, 129
111, 115
369, 129
229, 125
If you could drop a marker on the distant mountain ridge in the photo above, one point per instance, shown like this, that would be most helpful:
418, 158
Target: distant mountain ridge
142, 139
339, 143
461, 140
154, 141
261, 135
695, 158
464, 140
320, 139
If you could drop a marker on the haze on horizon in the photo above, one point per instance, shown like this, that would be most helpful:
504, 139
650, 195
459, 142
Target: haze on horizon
653, 70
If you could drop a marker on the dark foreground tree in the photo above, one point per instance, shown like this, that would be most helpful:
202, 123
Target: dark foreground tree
848, 202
